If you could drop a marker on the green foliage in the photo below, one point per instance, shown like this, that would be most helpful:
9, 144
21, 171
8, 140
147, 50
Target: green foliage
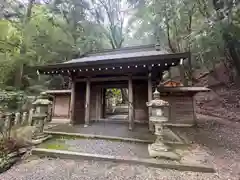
54, 34
9, 50
60, 30
113, 92
11, 100
184, 25
116, 93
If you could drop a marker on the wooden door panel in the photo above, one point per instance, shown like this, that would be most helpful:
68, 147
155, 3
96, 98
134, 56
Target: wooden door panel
80, 103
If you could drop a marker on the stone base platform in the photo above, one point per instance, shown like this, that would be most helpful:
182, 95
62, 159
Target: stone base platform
105, 129
113, 131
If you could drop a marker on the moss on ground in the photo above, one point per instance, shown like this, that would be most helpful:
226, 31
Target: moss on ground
54, 143
56, 146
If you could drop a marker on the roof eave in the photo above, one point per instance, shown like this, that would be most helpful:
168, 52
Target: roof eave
116, 61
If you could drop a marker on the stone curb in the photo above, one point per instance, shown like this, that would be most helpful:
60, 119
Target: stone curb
147, 162
95, 136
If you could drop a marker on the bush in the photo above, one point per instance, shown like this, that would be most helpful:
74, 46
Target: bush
11, 100
8, 145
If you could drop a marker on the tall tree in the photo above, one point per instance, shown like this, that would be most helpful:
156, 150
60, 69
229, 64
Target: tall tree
186, 25
27, 18
41, 32
227, 14
112, 17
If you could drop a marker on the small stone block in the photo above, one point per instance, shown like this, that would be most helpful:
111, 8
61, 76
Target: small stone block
40, 140
163, 154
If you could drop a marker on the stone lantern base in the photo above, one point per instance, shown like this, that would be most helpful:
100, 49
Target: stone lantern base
41, 139
161, 151
158, 148
39, 136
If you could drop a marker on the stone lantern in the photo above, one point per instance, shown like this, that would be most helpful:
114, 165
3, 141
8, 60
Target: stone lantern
158, 148
39, 117
42, 103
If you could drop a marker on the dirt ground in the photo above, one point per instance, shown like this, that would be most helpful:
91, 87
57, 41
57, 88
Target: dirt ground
222, 141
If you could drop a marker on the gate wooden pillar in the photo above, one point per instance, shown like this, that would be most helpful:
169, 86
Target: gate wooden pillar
150, 91
98, 103
72, 102
130, 106
87, 103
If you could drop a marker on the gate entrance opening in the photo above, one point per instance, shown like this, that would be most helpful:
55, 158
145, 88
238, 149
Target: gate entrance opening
116, 104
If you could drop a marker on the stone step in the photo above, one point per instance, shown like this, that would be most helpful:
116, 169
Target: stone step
118, 117
98, 146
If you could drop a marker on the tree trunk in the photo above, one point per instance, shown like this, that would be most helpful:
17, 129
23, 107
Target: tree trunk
168, 36
18, 76
232, 50
19, 72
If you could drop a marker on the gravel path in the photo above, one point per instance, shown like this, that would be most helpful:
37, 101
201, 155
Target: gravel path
222, 142
106, 147
98, 146
44, 169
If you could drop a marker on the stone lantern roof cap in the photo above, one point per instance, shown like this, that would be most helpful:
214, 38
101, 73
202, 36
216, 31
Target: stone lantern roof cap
42, 102
42, 99
157, 102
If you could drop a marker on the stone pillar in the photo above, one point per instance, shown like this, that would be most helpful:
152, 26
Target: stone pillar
17, 118
24, 118
130, 106
7, 125
87, 103
30, 116
150, 124
72, 103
